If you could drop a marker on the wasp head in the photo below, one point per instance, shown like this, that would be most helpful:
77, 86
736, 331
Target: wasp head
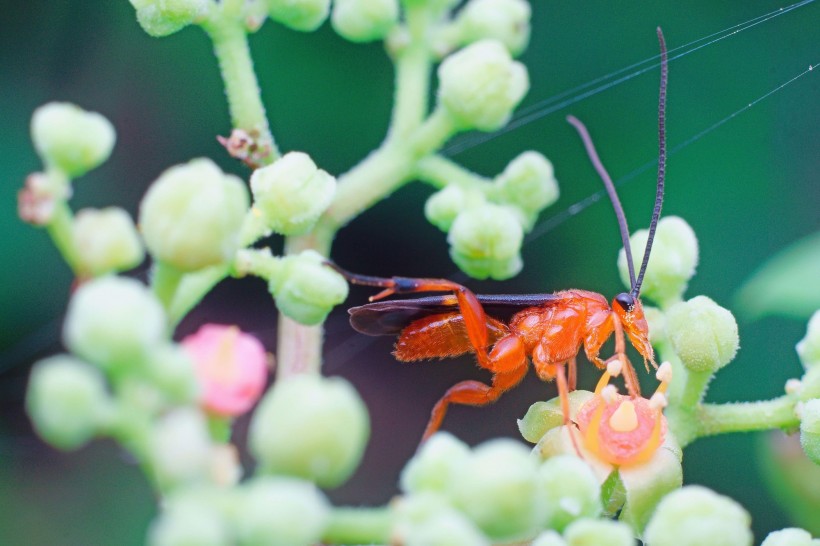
629, 311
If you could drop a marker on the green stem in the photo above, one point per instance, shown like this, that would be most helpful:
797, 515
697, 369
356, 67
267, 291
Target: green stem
747, 416
358, 526
192, 288
413, 65
440, 172
60, 230
694, 387
241, 86
165, 281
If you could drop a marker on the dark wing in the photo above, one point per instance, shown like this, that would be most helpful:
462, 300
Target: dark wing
391, 317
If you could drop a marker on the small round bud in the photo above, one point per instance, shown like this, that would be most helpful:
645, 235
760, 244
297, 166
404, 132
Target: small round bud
808, 348
192, 518
180, 448
66, 400
302, 15
305, 289
528, 183
231, 367
549, 538
191, 216
703, 334
541, 417
571, 490
71, 139
485, 241
311, 427
427, 519
672, 262
292, 193
278, 511
106, 241
497, 489
791, 536
507, 21
114, 322
172, 372
364, 20
433, 466
163, 17
442, 208
598, 532
695, 515
480, 85
810, 429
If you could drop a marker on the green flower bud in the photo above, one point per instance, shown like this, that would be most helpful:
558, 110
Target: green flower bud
481, 85
311, 427
106, 241
571, 490
163, 17
180, 448
191, 519
485, 241
549, 538
695, 515
507, 21
647, 483
364, 20
672, 262
810, 429
292, 193
447, 528
172, 372
305, 289
703, 334
791, 536
191, 216
67, 401
541, 417
281, 512
808, 348
433, 466
497, 489
70, 139
435, 6
442, 208
302, 15
598, 532
528, 183
114, 322
810, 384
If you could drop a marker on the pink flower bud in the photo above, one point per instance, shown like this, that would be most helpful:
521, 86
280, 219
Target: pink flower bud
231, 367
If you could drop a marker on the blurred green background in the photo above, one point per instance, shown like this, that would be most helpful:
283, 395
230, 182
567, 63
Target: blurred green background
748, 189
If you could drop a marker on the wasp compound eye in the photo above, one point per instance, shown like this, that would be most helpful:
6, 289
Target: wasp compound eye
626, 301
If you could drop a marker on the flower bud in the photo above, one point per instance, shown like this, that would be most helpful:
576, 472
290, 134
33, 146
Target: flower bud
808, 348
71, 139
66, 400
192, 518
599, 532
311, 427
427, 519
549, 538
114, 322
305, 289
481, 85
791, 536
433, 466
442, 208
292, 193
172, 372
544, 416
703, 334
106, 241
672, 261
528, 183
485, 241
810, 429
302, 15
180, 448
163, 17
364, 20
277, 511
497, 489
191, 216
507, 21
231, 367
571, 490
810, 384
695, 515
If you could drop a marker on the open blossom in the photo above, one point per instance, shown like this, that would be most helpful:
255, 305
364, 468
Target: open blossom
231, 367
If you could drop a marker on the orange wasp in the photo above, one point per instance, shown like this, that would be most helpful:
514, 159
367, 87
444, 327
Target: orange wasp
549, 329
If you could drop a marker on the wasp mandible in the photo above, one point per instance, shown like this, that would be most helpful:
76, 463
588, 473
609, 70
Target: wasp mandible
549, 329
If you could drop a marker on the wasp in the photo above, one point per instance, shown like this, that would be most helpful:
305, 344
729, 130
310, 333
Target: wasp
547, 329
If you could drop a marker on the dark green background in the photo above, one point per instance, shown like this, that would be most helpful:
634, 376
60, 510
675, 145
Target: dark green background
748, 189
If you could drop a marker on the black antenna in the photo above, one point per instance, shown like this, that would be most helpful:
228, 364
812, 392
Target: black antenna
610, 189
656, 213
